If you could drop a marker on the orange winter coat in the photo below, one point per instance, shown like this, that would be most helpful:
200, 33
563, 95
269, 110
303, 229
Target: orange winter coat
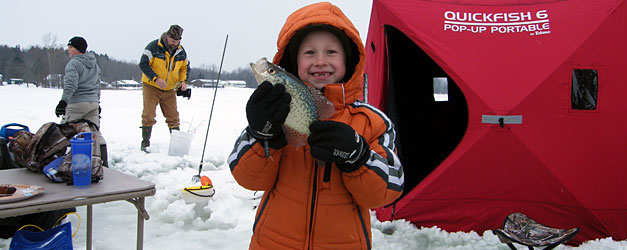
306, 205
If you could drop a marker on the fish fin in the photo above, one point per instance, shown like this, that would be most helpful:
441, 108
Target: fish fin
323, 105
294, 138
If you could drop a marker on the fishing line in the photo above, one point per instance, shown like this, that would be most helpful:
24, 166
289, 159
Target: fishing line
196, 178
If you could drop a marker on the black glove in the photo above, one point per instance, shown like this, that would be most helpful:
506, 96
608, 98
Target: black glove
266, 111
339, 143
184, 93
60, 109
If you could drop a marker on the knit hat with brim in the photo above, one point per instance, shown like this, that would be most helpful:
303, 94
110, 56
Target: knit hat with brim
289, 62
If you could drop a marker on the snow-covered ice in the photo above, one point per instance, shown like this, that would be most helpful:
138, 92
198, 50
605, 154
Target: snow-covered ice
225, 221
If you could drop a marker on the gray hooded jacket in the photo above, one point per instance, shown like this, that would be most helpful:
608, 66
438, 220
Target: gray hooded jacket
82, 78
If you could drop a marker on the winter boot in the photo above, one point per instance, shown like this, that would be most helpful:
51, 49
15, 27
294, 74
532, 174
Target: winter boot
174, 128
146, 131
103, 155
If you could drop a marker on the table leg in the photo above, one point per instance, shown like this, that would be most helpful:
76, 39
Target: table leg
140, 225
89, 226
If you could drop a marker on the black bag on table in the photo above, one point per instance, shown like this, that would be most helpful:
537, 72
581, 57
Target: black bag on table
51, 142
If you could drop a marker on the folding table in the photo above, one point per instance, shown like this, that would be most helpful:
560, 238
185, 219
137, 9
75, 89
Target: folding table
115, 186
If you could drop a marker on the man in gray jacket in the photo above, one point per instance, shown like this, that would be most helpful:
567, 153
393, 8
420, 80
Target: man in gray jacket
81, 89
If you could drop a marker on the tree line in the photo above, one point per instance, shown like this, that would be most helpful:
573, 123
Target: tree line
34, 64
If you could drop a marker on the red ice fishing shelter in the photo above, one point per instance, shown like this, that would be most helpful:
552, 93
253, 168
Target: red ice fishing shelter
505, 106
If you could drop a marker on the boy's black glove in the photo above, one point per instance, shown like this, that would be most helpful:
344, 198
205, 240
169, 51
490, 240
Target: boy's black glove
184, 93
60, 109
266, 111
339, 143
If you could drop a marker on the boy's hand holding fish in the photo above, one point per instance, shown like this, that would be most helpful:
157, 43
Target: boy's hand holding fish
339, 143
306, 104
266, 111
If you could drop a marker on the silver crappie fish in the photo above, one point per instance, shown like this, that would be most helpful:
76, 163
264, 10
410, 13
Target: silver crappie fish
308, 103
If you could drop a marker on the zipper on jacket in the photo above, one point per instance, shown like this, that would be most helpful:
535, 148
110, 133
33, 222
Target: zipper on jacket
313, 201
263, 206
176, 52
169, 69
363, 228
327, 172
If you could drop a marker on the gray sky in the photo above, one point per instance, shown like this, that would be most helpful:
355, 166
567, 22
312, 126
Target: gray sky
121, 29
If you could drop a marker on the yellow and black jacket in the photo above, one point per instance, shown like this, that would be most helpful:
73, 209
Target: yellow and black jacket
157, 62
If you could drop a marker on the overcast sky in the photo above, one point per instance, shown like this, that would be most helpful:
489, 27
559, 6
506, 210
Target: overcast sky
121, 29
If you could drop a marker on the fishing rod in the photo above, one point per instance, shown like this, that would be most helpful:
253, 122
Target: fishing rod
196, 178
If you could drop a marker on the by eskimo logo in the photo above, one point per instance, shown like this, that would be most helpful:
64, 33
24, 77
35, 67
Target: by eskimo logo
532, 23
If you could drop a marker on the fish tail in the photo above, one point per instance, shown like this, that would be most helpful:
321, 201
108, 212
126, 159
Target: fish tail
323, 105
294, 138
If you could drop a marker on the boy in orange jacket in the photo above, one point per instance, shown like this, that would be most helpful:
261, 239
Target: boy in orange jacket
308, 205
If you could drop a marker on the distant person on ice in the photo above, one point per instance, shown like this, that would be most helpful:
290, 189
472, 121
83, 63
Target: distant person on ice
165, 71
81, 89
315, 197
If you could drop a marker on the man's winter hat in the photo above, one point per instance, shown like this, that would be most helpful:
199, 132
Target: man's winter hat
78, 43
348, 46
175, 32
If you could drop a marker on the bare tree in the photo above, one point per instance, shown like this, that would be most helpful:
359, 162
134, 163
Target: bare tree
50, 41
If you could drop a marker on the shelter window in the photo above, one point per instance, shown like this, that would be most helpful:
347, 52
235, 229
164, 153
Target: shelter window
440, 89
584, 89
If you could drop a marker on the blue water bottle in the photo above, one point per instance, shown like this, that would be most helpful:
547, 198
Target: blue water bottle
81, 159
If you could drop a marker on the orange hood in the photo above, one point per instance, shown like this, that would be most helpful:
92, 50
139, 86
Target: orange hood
326, 13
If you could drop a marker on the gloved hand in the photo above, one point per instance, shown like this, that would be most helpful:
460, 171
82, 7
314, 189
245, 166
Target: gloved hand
184, 93
60, 109
339, 143
266, 112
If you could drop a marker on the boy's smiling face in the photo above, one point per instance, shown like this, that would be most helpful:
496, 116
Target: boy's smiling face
321, 59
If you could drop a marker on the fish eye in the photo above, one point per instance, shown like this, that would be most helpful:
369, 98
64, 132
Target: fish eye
271, 71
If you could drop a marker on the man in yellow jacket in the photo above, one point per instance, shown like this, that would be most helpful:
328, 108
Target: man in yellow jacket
165, 69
